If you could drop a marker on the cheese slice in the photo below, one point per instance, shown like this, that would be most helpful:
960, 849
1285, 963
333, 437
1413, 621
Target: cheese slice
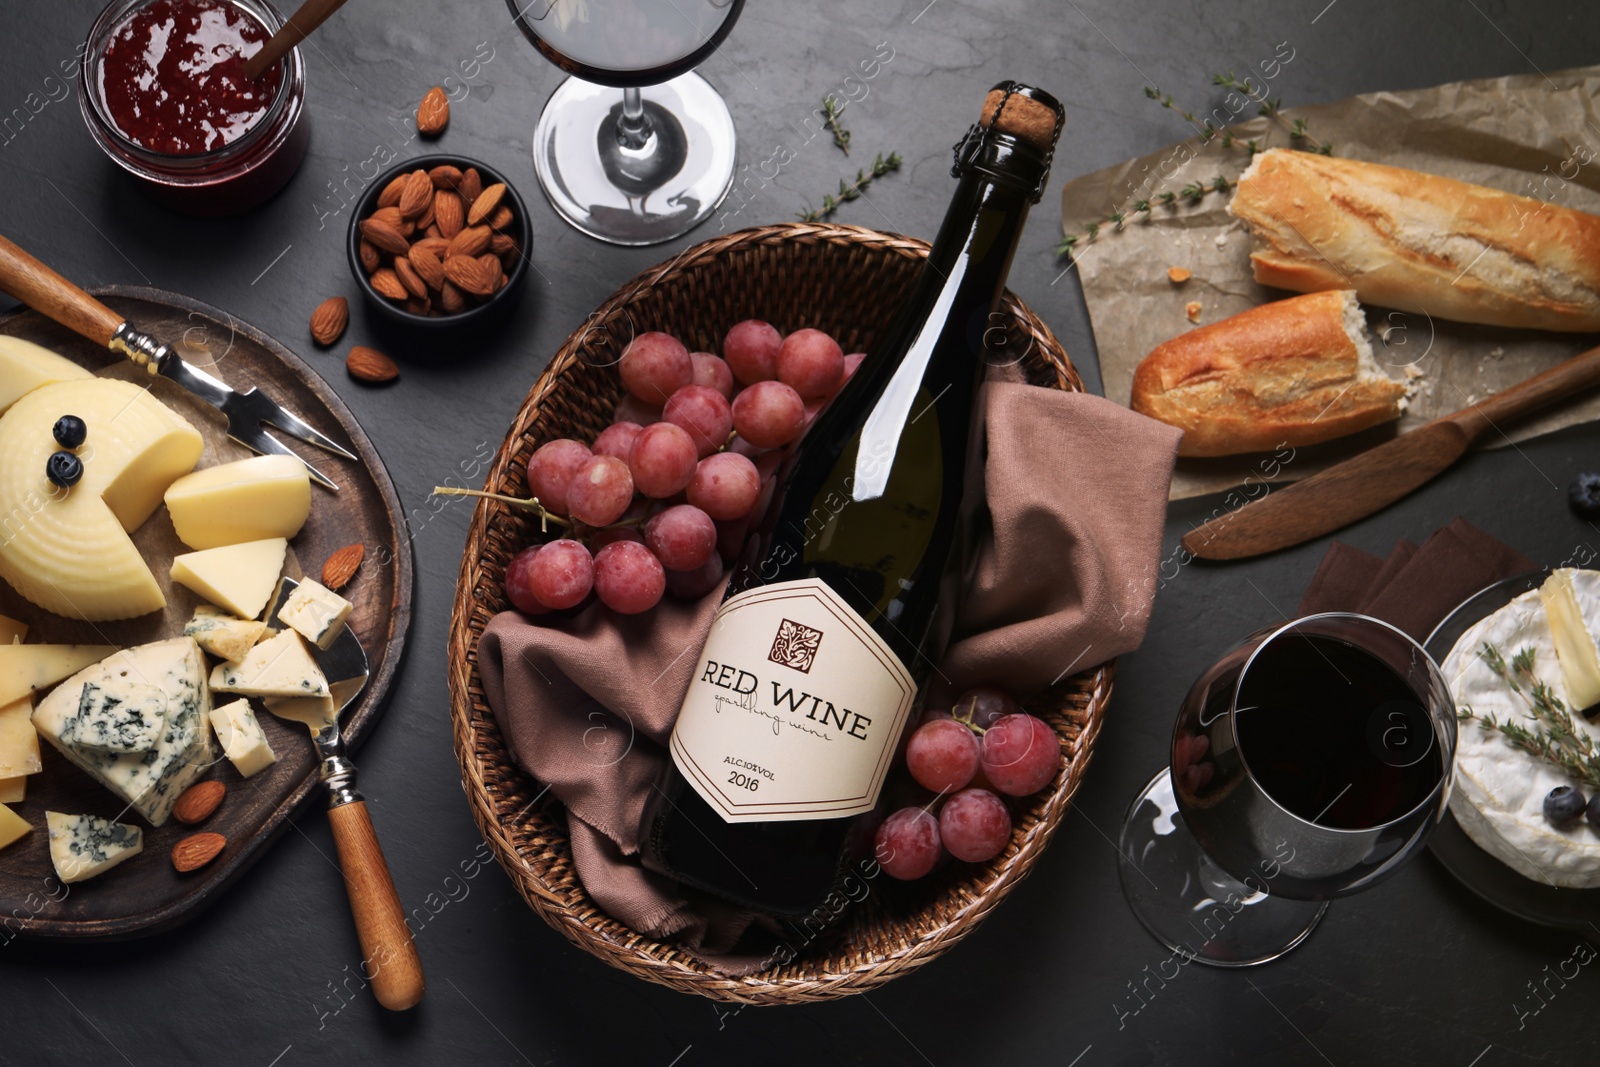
248, 500
82, 846
243, 740
19, 741
25, 669
25, 366
318, 713
68, 550
148, 781
116, 715
279, 667
1575, 647
12, 826
240, 578
12, 632
317, 612
223, 635
13, 790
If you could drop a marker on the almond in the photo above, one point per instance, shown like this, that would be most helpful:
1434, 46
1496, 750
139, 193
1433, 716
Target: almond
391, 192
429, 267
500, 244
384, 236
431, 231
409, 278
329, 320
501, 218
434, 246
469, 242
370, 259
388, 283
416, 196
197, 802
341, 567
419, 307
433, 114
484, 203
471, 276
390, 214
450, 299
448, 214
444, 176
197, 850
369, 365
490, 262
425, 219
471, 185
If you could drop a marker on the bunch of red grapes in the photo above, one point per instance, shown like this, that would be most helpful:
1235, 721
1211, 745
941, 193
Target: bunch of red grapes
665, 496
970, 758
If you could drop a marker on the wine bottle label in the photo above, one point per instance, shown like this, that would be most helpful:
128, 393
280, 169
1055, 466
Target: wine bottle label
795, 709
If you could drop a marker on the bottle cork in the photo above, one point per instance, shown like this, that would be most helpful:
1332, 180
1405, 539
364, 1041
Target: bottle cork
1024, 118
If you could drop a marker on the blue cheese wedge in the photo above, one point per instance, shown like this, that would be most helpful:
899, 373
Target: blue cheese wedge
243, 740
279, 667
149, 781
317, 612
82, 846
117, 715
223, 635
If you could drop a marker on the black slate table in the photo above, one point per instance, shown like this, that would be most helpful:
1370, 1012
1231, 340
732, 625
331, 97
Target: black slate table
1418, 971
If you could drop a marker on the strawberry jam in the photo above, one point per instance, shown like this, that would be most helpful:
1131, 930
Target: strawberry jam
172, 76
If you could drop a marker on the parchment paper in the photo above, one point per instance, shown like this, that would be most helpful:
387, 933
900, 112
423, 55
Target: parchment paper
1526, 134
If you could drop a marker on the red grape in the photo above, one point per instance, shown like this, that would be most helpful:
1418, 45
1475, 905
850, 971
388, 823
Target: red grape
974, 825
704, 413
551, 470
751, 350
1020, 754
519, 590
851, 362
617, 440
713, 371
812, 363
692, 585
907, 844
769, 414
942, 755
601, 492
984, 705
725, 486
654, 366
562, 574
628, 578
732, 536
662, 460
682, 537
631, 409
613, 534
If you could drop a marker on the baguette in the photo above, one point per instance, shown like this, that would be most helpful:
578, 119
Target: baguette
1293, 372
1419, 242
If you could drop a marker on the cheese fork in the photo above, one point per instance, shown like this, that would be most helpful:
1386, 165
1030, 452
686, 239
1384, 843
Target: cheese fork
388, 953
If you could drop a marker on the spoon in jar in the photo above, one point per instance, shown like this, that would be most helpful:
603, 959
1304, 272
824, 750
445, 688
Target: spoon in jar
306, 18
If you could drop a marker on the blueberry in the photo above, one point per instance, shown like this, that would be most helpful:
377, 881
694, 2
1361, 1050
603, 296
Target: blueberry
1563, 805
1584, 495
70, 431
1592, 812
63, 469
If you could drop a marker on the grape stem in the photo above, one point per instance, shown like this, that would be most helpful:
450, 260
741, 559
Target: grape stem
532, 504
966, 720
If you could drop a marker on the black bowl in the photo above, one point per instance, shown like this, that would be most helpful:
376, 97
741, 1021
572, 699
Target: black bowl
479, 315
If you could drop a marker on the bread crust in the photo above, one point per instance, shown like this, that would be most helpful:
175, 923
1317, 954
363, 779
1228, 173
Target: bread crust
1289, 372
1420, 242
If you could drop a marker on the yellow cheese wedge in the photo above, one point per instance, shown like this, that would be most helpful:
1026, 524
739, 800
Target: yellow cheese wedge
25, 366
239, 578
1575, 646
252, 499
12, 826
11, 631
13, 790
19, 741
27, 668
68, 551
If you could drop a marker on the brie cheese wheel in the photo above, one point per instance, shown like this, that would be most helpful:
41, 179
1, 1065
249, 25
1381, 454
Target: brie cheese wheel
248, 500
82, 846
243, 740
1499, 792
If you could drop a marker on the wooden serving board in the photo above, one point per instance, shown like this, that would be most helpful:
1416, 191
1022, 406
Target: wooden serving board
145, 894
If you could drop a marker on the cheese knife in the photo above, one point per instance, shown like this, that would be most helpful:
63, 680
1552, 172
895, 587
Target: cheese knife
1351, 490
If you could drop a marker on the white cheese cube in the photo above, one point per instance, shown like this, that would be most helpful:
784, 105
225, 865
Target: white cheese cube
317, 612
243, 740
248, 500
238, 577
279, 667
117, 714
223, 635
82, 846
12, 826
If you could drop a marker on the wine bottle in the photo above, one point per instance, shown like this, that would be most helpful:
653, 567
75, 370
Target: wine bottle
813, 664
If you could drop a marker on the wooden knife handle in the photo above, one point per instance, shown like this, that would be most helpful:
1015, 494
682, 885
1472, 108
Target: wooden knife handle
388, 953
306, 18
1559, 382
51, 295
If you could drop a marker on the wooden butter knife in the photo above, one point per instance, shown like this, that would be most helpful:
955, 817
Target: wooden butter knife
1351, 490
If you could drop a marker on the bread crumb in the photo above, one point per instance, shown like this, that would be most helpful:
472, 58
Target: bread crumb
1413, 371
1179, 275
1192, 309
1222, 240
1496, 352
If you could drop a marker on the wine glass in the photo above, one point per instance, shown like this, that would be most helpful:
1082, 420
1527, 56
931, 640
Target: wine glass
655, 162
1309, 762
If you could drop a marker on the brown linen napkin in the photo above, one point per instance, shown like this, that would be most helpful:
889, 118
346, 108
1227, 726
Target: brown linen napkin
1416, 587
1076, 489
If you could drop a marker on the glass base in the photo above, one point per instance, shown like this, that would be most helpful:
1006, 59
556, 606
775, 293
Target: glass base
635, 196
1189, 903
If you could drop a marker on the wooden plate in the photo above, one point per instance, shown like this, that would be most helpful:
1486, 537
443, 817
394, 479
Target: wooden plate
145, 894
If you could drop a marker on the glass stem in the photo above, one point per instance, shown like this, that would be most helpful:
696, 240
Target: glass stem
633, 128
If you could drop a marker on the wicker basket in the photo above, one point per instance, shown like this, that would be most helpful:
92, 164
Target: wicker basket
847, 281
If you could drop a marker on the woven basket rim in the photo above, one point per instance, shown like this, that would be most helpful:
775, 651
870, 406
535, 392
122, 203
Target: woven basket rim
572, 912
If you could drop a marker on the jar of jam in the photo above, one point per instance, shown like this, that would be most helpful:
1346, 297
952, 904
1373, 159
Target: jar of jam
165, 96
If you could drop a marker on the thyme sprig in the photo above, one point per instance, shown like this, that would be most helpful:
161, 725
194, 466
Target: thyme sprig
851, 190
1271, 109
1190, 194
1555, 738
830, 119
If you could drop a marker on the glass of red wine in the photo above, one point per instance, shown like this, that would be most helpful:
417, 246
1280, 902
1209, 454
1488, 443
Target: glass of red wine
1309, 762
651, 163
